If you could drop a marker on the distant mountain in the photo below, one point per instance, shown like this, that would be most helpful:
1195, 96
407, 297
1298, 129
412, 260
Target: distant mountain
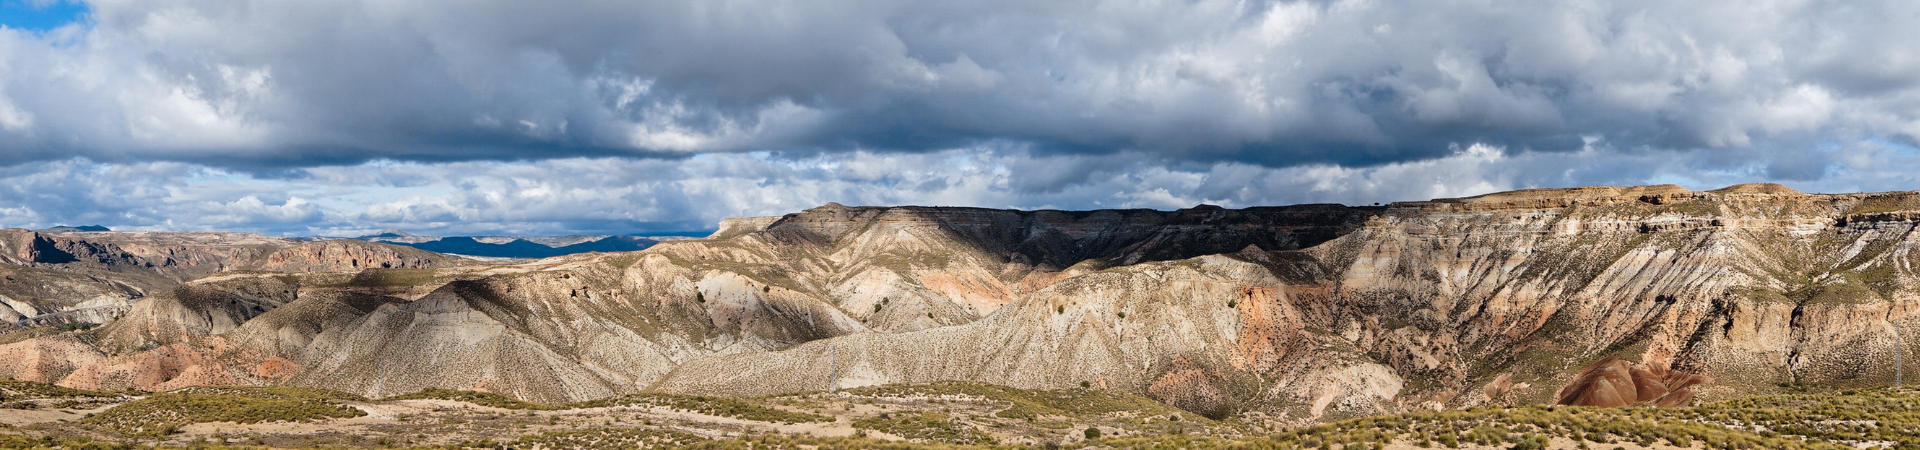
517, 246
387, 234
71, 229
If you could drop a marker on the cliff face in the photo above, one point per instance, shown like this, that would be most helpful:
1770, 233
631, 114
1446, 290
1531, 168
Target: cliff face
1304, 312
349, 256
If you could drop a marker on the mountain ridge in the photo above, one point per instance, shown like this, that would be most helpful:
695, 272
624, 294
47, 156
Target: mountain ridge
517, 246
1306, 311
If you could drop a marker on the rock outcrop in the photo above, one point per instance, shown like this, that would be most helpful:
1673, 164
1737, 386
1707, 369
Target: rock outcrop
1611, 382
344, 255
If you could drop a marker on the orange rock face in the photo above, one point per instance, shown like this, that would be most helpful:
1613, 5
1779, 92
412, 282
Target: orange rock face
46, 360
275, 368
160, 369
1611, 382
1191, 388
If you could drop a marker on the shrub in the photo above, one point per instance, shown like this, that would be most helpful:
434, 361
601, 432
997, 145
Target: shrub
925, 426
1030, 403
712, 406
16, 394
161, 414
488, 399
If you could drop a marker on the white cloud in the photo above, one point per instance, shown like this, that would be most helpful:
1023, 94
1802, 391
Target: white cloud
497, 115
12, 118
624, 195
295, 84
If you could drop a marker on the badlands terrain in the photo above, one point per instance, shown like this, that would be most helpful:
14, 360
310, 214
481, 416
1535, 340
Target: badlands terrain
1451, 320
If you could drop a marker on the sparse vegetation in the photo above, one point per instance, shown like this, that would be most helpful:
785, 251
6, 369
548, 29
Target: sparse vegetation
1844, 420
1027, 403
162, 414
488, 399
924, 426
610, 438
390, 278
948, 415
76, 326
712, 406
16, 394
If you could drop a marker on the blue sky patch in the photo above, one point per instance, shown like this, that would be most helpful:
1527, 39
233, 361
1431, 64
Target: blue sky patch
40, 15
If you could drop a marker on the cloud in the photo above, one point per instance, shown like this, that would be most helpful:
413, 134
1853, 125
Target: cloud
264, 84
330, 116
629, 195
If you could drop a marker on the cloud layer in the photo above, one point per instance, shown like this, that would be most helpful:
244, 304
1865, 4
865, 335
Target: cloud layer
309, 117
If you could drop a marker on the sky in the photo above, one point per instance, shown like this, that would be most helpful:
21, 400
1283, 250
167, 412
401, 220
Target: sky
341, 117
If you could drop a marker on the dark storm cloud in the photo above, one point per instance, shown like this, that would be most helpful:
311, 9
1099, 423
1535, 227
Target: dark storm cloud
336, 116
263, 84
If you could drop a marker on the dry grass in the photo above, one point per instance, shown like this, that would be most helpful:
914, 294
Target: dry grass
712, 406
488, 399
163, 414
16, 394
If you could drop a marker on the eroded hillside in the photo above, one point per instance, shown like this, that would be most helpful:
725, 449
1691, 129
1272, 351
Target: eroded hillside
1298, 313
74, 278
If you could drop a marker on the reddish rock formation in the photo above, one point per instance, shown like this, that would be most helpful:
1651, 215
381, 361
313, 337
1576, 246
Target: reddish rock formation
1611, 382
46, 360
1189, 387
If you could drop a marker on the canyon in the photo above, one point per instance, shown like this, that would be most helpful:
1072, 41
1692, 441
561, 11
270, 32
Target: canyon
1298, 313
